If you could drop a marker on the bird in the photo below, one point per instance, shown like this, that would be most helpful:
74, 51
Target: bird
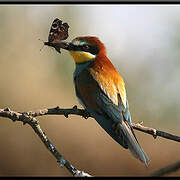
100, 89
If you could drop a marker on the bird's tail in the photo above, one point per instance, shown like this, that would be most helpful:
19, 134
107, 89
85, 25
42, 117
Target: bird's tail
132, 142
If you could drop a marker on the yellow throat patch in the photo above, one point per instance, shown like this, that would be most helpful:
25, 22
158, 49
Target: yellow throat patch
81, 57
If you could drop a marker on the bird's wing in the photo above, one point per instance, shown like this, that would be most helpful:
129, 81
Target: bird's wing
97, 103
101, 106
102, 94
112, 84
112, 97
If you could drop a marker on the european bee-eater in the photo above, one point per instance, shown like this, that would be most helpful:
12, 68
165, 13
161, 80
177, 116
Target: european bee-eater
101, 91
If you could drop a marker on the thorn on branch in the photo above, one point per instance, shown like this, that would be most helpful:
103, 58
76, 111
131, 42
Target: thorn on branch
75, 107
66, 114
7, 109
57, 108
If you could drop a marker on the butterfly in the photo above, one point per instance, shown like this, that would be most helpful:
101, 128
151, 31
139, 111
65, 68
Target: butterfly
58, 32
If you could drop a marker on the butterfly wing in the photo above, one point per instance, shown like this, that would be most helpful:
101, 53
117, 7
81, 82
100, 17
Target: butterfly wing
58, 32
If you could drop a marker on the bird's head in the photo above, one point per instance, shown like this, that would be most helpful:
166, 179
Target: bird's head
84, 49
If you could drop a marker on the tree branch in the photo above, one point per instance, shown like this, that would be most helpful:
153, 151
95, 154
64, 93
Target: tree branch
29, 118
155, 132
85, 114
59, 111
168, 169
16, 116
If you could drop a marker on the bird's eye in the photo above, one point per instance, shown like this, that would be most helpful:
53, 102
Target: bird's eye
85, 47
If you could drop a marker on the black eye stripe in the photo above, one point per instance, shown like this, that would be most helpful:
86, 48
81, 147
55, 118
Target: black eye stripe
92, 49
89, 48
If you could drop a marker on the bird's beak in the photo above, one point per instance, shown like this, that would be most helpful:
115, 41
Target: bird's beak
58, 45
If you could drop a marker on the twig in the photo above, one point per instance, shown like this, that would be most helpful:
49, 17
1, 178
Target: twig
168, 169
155, 132
59, 111
16, 116
85, 114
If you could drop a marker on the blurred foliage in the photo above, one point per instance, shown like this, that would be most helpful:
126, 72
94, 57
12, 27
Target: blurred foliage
145, 50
